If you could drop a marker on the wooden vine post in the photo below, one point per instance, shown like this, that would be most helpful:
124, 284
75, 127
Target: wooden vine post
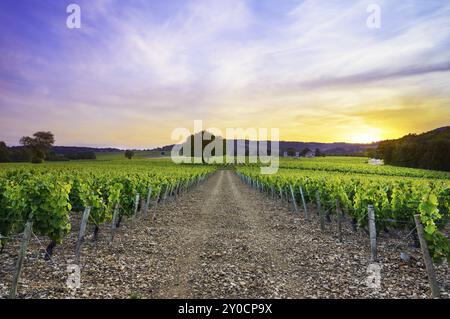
136, 205
427, 258
177, 189
142, 205
165, 195
158, 197
147, 203
170, 192
114, 223
156, 204
294, 202
372, 233
182, 186
21, 258
339, 219
304, 203
81, 233
321, 214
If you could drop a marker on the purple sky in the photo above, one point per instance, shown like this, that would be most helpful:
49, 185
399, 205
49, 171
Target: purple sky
138, 69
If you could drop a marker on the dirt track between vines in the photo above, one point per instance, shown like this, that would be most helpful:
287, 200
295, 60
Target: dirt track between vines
221, 240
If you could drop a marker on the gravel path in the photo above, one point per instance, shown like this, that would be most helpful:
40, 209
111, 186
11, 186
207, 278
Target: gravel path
222, 240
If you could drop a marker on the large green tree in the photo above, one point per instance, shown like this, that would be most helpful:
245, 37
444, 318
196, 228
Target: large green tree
39, 145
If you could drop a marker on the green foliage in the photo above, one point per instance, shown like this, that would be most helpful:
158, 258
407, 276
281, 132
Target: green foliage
89, 191
8, 216
438, 244
37, 197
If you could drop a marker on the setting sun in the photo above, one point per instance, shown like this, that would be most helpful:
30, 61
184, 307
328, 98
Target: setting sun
367, 136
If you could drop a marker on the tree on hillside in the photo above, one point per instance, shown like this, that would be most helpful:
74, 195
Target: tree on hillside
4, 153
318, 153
430, 150
129, 154
304, 152
38, 145
290, 151
372, 153
19, 154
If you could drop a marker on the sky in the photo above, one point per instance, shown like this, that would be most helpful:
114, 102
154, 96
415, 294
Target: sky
138, 69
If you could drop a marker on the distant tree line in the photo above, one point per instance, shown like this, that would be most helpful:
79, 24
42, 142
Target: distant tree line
429, 150
317, 152
52, 156
37, 149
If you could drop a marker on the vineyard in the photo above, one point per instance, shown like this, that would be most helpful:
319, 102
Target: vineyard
46, 196
49, 197
359, 165
395, 199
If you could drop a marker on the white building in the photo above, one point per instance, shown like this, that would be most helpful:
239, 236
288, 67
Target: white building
376, 161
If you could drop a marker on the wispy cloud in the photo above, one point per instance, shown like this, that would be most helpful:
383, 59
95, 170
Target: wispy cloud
378, 75
137, 69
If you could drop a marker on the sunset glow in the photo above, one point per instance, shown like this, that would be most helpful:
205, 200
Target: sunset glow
366, 135
365, 138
